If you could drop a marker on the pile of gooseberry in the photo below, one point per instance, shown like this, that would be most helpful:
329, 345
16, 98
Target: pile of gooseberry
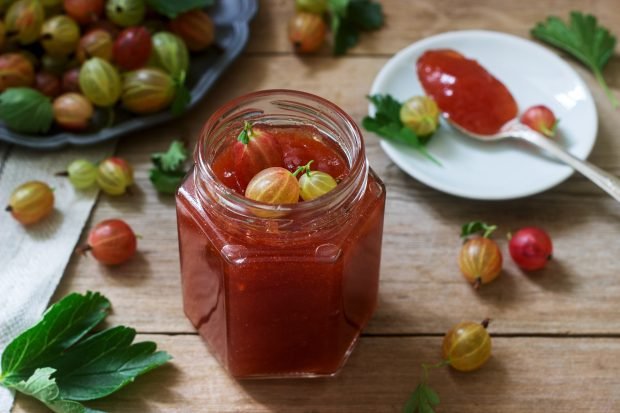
89, 56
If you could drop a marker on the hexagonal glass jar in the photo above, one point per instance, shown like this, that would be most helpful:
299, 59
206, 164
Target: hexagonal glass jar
280, 291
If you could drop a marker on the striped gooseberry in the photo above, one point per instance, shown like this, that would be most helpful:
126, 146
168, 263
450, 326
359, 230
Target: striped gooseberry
114, 176
306, 31
480, 259
273, 186
467, 346
31, 202
111, 242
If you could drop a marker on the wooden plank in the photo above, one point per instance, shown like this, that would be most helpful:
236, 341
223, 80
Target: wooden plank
524, 375
408, 21
421, 289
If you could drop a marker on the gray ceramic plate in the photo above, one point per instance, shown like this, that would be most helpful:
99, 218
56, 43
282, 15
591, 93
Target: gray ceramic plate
231, 18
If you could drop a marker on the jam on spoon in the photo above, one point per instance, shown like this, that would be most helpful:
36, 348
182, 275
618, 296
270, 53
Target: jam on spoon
466, 93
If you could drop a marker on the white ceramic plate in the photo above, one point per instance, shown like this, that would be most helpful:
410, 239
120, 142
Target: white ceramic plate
495, 170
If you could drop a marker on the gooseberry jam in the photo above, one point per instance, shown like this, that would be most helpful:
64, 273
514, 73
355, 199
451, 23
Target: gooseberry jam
281, 290
465, 91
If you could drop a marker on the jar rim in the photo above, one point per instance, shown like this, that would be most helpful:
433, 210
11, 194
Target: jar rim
358, 164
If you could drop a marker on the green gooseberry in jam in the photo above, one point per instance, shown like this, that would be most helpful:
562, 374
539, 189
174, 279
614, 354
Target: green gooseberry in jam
313, 184
273, 186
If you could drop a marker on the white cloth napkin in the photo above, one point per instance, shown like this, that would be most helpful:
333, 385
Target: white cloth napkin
33, 259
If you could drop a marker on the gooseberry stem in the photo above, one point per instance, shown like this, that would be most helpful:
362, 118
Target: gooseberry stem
244, 136
83, 249
426, 367
303, 169
8, 208
62, 173
485, 322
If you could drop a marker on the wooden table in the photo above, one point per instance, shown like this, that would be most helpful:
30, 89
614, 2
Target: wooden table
556, 332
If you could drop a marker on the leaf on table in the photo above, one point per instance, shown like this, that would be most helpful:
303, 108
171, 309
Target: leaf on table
422, 400
63, 324
584, 39
349, 18
168, 171
104, 363
44, 388
172, 9
173, 159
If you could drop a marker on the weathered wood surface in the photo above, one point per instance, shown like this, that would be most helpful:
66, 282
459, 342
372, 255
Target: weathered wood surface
564, 375
559, 346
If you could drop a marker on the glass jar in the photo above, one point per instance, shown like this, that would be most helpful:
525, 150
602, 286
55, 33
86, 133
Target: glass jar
280, 290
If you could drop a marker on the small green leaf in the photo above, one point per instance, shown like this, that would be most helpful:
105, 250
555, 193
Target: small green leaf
166, 182
422, 400
349, 18
366, 14
172, 9
173, 159
475, 227
387, 124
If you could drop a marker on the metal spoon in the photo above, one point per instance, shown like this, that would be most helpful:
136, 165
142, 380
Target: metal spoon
517, 130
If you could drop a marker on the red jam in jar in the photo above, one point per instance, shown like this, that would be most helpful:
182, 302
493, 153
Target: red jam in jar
466, 92
281, 290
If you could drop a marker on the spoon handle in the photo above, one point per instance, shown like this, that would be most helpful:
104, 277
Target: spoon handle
605, 180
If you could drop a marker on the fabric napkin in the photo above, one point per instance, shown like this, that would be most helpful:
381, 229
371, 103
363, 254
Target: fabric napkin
33, 258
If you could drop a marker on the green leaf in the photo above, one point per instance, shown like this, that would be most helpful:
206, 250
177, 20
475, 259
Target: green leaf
422, 400
172, 9
182, 98
475, 227
63, 324
584, 39
349, 18
43, 388
365, 14
173, 159
169, 171
166, 182
103, 363
26, 110
386, 123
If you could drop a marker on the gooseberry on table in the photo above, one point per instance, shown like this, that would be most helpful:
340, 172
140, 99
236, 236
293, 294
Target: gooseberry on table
111, 242
467, 346
84, 11
114, 176
541, 119
15, 71
530, 248
421, 115
95, 43
132, 48
100, 82
60, 35
275, 186
480, 258
31, 202
255, 150
306, 31
72, 111
125, 13
23, 21
82, 173
196, 29
147, 90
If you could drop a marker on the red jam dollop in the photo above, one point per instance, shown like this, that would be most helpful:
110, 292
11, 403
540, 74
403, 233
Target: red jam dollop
466, 92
